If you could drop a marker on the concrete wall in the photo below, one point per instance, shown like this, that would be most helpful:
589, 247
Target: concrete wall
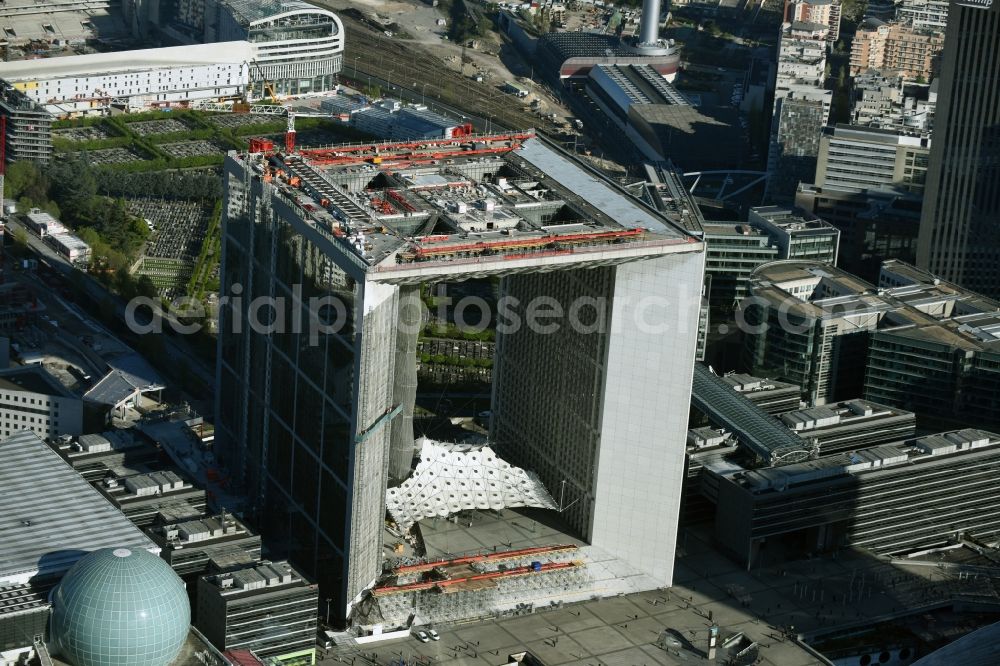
647, 391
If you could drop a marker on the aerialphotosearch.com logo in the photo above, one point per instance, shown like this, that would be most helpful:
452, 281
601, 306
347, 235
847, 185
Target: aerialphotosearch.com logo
334, 314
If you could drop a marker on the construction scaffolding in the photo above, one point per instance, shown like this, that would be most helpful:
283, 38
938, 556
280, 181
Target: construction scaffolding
478, 586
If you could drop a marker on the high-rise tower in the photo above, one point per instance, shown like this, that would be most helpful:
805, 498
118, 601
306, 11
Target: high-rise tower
960, 225
316, 425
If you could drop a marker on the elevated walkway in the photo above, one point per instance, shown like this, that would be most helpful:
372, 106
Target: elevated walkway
763, 434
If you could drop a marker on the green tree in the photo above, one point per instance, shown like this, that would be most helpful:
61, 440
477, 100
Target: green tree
20, 240
144, 287
72, 182
25, 179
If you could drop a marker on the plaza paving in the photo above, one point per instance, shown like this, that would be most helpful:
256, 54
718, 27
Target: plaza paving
768, 605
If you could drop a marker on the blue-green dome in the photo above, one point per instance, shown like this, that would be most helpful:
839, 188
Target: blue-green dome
120, 607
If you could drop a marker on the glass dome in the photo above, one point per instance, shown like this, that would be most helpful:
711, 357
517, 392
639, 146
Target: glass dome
120, 607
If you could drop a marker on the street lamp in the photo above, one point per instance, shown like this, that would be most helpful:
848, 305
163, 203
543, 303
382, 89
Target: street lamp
328, 611
356, 66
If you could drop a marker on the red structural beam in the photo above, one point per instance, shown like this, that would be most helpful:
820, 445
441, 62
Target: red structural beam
481, 246
488, 557
402, 159
490, 575
417, 143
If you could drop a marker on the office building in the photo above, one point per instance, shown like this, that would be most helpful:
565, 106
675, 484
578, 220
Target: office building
28, 134
797, 234
896, 47
959, 234
875, 225
96, 456
734, 251
52, 515
888, 101
32, 399
801, 108
822, 12
865, 158
800, 60
269, 608
891, 499
928, 345
152, 497
294, 47
923, 14
24, 616
191, 547
809, 327
850, 424
771, 395
946, 370
134, 80
317, 462
794, 144
705, 445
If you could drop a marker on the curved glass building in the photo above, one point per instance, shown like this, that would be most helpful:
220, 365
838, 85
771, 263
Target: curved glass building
120, 607
298, 47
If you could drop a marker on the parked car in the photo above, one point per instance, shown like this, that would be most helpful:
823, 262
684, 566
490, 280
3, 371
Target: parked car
423, 637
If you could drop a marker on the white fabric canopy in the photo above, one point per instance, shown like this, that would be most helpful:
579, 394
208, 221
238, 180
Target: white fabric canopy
456, 477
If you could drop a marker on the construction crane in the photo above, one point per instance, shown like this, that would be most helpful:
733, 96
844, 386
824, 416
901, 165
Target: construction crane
266, 85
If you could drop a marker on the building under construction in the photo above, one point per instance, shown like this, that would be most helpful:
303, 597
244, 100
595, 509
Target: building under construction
359, 228
27, 128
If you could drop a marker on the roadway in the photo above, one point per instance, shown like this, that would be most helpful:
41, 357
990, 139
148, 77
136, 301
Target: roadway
176, 348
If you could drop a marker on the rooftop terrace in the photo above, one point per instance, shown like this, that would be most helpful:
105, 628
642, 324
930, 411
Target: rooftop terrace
491, 202
911, 302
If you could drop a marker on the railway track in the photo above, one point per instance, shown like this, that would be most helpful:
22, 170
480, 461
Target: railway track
406, 66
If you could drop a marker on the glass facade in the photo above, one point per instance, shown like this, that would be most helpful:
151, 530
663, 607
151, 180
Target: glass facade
959, 230
290, 403
120, 607
731, 259
948, 386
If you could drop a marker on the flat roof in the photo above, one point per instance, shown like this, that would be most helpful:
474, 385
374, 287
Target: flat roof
96, 64
248, 11
596, 190
50, 516
856, 412
258, 579
32, 378
745, 383
920, 450
23, 21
